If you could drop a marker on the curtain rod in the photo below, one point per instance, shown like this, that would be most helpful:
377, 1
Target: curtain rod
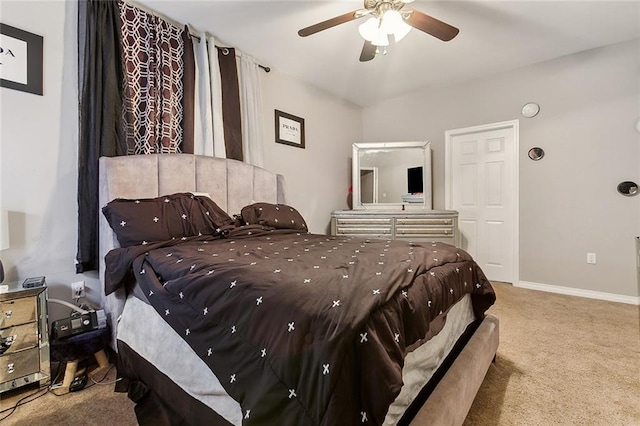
225, 51
176, 24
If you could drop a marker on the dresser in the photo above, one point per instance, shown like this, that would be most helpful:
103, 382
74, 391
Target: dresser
410, 225
24, 337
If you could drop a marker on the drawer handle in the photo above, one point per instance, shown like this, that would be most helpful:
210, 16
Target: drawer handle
8, 340
10, 368
6, 343
8, 314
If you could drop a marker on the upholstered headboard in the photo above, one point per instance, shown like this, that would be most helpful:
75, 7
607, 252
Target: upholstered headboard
231, 184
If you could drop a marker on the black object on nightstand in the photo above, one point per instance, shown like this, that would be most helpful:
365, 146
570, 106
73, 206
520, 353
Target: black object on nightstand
33, 282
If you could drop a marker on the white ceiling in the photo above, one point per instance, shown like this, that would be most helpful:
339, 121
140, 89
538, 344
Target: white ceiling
495, 36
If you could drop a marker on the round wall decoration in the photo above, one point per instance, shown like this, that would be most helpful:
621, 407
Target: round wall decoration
536, 153
530, 109
628, 188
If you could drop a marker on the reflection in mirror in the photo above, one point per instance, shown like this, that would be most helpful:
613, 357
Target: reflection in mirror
536, 153
628, 188
392, 175
369, 184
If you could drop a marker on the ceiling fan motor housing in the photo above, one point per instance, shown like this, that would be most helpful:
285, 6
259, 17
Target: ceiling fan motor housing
370, 4
381, 6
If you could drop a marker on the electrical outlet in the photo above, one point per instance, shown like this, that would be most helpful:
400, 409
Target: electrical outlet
591, 258
77, 290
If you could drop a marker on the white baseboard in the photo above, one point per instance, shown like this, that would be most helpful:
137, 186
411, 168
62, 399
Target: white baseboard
570, 291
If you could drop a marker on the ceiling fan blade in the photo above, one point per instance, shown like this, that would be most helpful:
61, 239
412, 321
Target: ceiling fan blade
430, 25
350, 16
368, 52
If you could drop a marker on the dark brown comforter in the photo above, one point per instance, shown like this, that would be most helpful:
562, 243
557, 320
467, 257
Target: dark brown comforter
303, 329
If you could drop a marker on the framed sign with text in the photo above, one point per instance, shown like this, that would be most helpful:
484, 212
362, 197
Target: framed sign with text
289, 129
20, 60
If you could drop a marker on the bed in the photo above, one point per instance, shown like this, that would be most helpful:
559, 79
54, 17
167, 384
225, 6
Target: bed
265, 323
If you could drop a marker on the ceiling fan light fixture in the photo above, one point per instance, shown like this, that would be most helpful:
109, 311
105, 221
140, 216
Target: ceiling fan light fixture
385, 18
369, 29
392, 22
381, 39
402, 30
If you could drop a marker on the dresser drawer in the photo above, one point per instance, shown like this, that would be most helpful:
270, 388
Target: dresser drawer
363, 230
18, 337
17, 311
420, 231
364, 226
364, 221
18, 364
425, 239
412, 221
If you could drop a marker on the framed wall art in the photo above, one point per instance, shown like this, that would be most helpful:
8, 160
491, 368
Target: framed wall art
20, 60
289, 129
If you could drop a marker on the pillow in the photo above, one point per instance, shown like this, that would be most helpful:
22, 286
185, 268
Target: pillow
163, 218
278, 216
201, 194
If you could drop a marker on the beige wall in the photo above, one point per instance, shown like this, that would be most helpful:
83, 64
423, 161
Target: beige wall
318, 177
38, 153
568, 201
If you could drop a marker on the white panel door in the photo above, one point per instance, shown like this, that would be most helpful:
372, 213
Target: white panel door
481, 165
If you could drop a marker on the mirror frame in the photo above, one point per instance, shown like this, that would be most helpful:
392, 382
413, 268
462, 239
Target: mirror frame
426, 176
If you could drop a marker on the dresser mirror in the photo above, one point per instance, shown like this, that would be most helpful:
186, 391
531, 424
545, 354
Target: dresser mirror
391, 176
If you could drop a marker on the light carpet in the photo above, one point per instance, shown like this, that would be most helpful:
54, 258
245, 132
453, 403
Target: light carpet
562, 360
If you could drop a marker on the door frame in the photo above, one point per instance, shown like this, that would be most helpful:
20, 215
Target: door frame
514, 126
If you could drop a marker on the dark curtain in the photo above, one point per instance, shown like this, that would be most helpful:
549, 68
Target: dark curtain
188, 100
100, 76
230, 103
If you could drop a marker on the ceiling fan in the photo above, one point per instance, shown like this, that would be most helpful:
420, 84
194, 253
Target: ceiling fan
386, 17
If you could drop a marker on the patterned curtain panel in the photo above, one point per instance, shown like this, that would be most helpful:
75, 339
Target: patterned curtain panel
153, 57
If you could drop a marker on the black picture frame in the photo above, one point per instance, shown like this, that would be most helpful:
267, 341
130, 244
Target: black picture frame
289, 129
20, 60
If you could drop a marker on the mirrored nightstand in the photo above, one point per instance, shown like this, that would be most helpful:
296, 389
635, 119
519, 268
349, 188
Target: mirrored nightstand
24, 335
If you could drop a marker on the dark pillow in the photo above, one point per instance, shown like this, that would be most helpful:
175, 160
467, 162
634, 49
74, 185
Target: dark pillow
163, 218
278, 216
